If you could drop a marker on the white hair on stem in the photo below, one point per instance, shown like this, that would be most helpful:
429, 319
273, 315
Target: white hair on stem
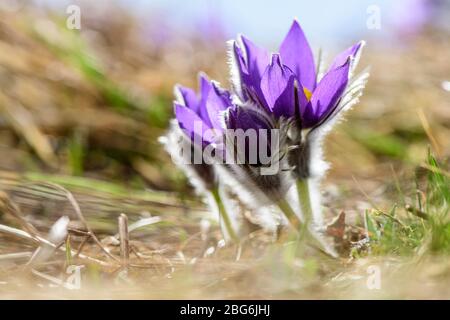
250, 194
235, 75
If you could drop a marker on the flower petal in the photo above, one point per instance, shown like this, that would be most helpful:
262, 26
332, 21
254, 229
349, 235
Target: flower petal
244, 121
195, 128
205, 88
302, 102
327, 94
188, 96
257, 58
238, 70
217, 101
277, 86
297, 55
245, 118
344, 55
252, 61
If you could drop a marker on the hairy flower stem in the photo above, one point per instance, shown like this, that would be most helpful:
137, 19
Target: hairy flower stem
224, 215
290, 214
304, 232
304, 199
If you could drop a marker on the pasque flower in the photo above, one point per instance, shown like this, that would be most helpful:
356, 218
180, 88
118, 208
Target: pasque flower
287, 92
196, 127
258, 162
199, 116
290, 87
285, 83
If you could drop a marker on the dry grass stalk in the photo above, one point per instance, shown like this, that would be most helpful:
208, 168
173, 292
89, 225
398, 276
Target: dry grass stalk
81, 217
124, 239
9, 207
41, 241
15, 256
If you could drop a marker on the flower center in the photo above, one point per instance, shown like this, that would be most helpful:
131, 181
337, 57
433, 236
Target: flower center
307, 93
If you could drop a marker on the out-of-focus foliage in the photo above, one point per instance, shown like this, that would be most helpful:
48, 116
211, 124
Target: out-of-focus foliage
93, 101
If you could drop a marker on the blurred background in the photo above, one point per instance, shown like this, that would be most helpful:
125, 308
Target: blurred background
83, 103
92, 101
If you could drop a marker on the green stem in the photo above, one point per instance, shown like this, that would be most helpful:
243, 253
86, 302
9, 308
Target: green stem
304, 199
302, 228
290, 214
224, 215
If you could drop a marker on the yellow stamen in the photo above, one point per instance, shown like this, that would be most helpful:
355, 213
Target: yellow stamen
307, 93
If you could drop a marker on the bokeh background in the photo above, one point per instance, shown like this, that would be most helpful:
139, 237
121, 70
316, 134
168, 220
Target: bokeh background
84, 108
93, 101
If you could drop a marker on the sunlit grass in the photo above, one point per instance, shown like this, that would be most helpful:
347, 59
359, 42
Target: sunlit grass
423, 225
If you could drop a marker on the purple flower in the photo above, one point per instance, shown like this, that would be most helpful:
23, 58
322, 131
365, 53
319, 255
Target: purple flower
253, 143
274, 97
196, 126
285, 83
246, 119
199, 116
251, 135
195, 130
